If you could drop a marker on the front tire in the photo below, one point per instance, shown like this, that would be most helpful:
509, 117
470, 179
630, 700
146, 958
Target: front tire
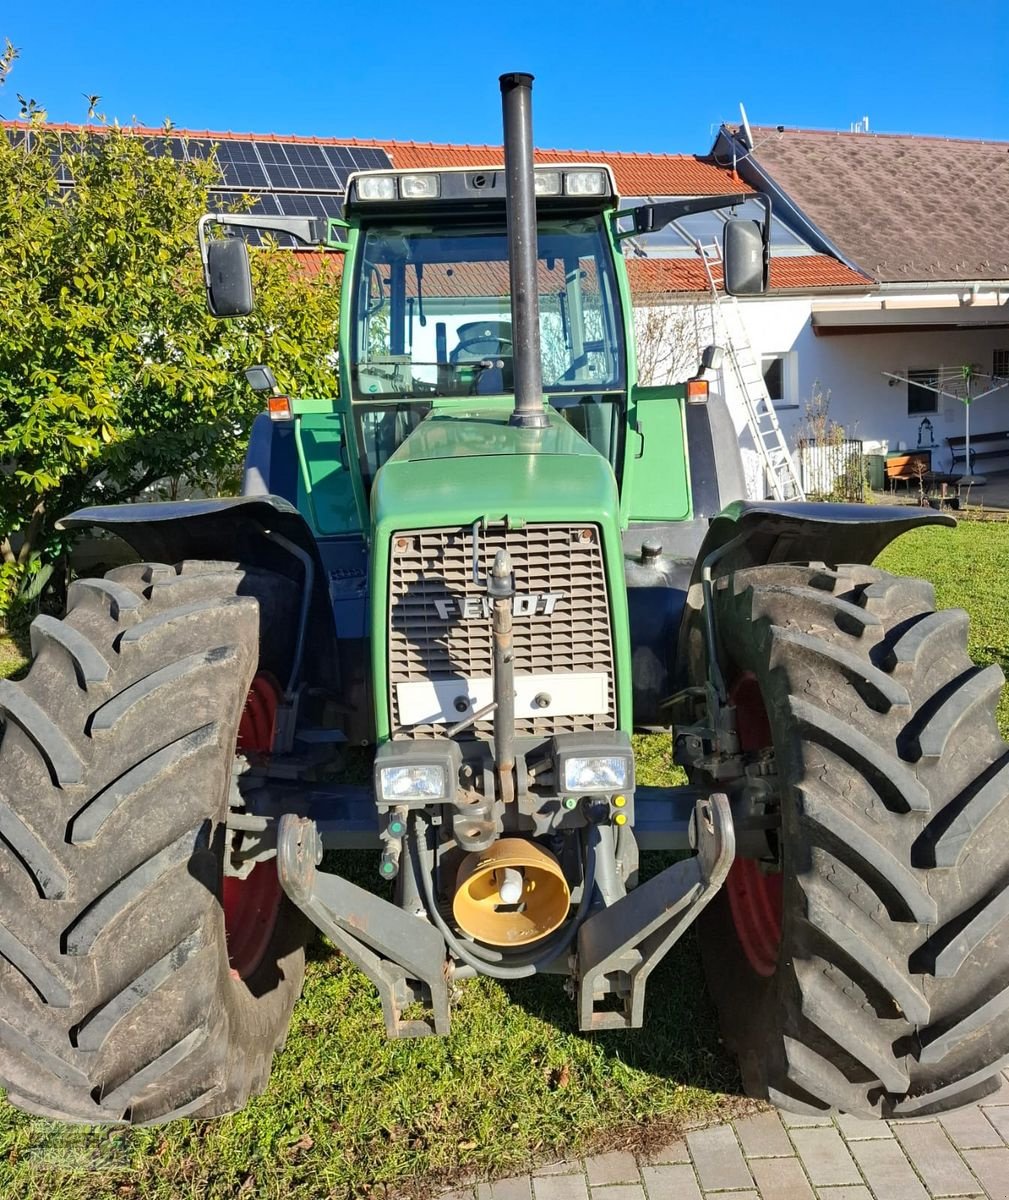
861, 967
119, 1002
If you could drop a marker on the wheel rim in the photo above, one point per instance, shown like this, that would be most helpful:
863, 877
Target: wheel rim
251, 905
755, 896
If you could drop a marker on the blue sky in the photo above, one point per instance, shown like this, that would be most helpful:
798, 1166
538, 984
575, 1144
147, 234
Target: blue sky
652, 76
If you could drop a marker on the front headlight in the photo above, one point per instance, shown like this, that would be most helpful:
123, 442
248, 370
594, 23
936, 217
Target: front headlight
605, 773
412, 783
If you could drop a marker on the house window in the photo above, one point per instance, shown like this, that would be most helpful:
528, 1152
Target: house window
779, 372
1000, 364
922, 399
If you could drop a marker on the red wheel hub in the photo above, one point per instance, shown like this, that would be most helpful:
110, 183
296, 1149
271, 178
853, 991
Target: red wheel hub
251, 905
755, 896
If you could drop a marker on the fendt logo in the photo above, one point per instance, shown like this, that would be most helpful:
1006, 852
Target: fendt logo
531, 604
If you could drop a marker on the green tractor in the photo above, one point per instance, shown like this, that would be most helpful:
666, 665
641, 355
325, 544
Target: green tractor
493, 558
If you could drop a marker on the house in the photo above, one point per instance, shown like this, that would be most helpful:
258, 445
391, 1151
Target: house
889, 268
925, 221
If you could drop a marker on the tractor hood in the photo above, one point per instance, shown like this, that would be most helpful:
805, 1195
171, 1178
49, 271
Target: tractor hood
477, 433
457, 467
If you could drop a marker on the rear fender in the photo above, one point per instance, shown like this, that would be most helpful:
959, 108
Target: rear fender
752, 533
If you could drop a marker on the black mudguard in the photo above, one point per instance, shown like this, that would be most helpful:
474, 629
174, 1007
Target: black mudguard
231, 529
752, 533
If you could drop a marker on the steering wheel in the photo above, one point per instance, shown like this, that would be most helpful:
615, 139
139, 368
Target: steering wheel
470, 344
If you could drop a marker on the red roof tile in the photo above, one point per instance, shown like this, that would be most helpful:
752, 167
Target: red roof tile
801, 272
660, 276
636, 174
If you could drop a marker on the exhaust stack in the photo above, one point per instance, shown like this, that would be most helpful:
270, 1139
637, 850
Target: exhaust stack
520, 202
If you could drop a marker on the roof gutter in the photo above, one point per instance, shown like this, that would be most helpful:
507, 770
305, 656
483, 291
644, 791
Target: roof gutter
740, 158
977, 286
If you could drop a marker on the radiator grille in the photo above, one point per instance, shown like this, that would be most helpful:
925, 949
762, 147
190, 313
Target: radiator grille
432, 565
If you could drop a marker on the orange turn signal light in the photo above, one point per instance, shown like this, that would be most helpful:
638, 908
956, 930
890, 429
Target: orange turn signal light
697, 391
279, 408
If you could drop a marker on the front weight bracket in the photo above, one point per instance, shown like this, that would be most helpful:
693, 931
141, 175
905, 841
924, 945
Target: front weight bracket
619, 946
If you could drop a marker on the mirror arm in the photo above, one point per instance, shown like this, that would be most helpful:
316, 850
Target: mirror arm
649, 218
303, 229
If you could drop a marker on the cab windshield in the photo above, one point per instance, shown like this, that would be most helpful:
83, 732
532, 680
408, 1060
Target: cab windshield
433, 312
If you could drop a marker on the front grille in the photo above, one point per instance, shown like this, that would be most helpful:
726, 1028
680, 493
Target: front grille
430, 565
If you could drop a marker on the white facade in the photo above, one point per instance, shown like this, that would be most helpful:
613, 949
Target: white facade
847, 369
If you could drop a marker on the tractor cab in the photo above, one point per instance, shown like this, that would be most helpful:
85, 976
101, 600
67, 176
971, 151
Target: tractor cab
430, 291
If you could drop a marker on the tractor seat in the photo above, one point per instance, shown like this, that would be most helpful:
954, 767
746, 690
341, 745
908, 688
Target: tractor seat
479, 340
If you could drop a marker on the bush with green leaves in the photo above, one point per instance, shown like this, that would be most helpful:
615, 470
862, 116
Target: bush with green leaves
113, 376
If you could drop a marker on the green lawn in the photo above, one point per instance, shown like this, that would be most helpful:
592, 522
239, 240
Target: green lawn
969, 566
349, 1113
12, 657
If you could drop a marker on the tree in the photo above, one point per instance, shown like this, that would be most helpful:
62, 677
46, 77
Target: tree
669, 340
112, 374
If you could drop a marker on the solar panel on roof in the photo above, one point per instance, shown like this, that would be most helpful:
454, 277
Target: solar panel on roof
285, 178
307, 154
337, 156
240, 165
194, 148
375, 159
266, 205
282, 176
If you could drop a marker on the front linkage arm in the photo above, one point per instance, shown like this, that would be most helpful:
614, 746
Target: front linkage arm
619, 946
403, 955
619, 943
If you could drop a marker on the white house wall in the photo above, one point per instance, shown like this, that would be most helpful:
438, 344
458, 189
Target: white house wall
848, 368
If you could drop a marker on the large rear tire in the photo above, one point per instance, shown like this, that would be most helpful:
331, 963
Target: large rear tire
862, 966
119, 1001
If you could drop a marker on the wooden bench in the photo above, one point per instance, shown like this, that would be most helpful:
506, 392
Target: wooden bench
998, 443
907, 467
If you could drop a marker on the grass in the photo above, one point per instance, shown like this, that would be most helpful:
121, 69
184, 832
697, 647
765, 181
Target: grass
349, 1113
969, 566
13, 656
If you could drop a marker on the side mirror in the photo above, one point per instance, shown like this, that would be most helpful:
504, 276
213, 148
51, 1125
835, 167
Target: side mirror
711, 358
745, 259
262, 380
229, 278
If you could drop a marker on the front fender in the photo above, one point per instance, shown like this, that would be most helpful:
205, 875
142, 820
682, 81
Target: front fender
752, 533
230, 528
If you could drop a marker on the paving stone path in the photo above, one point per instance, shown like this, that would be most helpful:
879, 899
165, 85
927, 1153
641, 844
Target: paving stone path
779, 1156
